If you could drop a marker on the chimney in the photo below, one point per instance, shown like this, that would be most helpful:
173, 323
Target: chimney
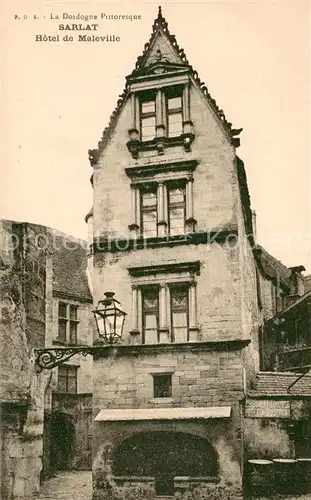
298, 288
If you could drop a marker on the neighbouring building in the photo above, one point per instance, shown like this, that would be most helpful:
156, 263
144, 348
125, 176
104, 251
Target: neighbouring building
24, 267
68, 414
277, 431
171, 232
45, 417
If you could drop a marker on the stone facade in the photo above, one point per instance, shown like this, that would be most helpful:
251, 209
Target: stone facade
210, 366
169, 153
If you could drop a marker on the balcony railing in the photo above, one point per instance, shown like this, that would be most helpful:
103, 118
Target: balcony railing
294, 359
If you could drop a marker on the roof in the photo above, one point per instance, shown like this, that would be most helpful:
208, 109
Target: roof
272, 267
164, 414
276, 384
159, 26
70, 263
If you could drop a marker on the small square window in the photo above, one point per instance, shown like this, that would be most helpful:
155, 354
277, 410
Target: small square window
162, 386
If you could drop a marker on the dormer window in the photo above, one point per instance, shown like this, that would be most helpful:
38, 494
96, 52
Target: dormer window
160, 118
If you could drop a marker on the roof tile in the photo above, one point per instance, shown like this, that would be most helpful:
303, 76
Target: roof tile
276, 384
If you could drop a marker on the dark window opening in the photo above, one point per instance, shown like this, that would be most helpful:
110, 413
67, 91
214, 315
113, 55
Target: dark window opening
162, 386
67, 379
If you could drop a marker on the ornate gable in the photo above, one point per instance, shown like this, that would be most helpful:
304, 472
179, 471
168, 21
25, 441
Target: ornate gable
161, 55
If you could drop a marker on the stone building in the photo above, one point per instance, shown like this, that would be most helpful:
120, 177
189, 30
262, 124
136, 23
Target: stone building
172, 229
69, 321
24, 267
176, 405
45, 301
277, 432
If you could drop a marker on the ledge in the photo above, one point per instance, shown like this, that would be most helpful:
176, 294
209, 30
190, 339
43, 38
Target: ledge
138, 271
162, 401
133, 479
106, 245
182, 165
177, 479
139, 414
184, 480
71, 296
104, 351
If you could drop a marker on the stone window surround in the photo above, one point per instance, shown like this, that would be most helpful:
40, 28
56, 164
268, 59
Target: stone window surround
162, 183
168, 376
160, 90
164, 276
162, 370
159, 86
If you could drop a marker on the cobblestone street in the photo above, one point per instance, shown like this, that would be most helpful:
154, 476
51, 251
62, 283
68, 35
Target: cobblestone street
75, 485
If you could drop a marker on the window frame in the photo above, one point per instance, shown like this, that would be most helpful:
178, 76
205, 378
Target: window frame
172, 93
152, 188
67, 377
184, 287
168, 376
144, 291
175, 205
144, 98
69, 322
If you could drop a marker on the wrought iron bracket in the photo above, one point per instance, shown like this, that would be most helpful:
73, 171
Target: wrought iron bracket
50, 357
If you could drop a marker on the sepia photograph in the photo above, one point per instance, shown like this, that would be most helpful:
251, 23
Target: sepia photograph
155, 250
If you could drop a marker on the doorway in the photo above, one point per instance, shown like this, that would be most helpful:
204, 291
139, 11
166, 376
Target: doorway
62, 441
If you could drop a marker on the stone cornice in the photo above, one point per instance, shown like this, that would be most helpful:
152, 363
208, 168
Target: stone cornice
107, 245
118, 350
138, 271
161, 167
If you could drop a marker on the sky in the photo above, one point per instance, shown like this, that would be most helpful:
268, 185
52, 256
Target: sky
58, 96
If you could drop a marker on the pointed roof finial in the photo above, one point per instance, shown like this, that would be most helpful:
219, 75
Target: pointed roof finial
160, 12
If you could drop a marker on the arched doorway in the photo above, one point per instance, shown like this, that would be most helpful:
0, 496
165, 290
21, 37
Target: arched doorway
165, 455
62, 441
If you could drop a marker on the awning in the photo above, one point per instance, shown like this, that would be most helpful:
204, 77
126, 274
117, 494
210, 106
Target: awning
163, 414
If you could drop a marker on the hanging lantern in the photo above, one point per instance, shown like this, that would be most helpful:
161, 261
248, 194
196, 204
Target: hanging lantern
109, 318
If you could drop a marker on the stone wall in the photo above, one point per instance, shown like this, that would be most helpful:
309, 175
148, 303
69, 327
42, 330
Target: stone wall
23, 285
199, 378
